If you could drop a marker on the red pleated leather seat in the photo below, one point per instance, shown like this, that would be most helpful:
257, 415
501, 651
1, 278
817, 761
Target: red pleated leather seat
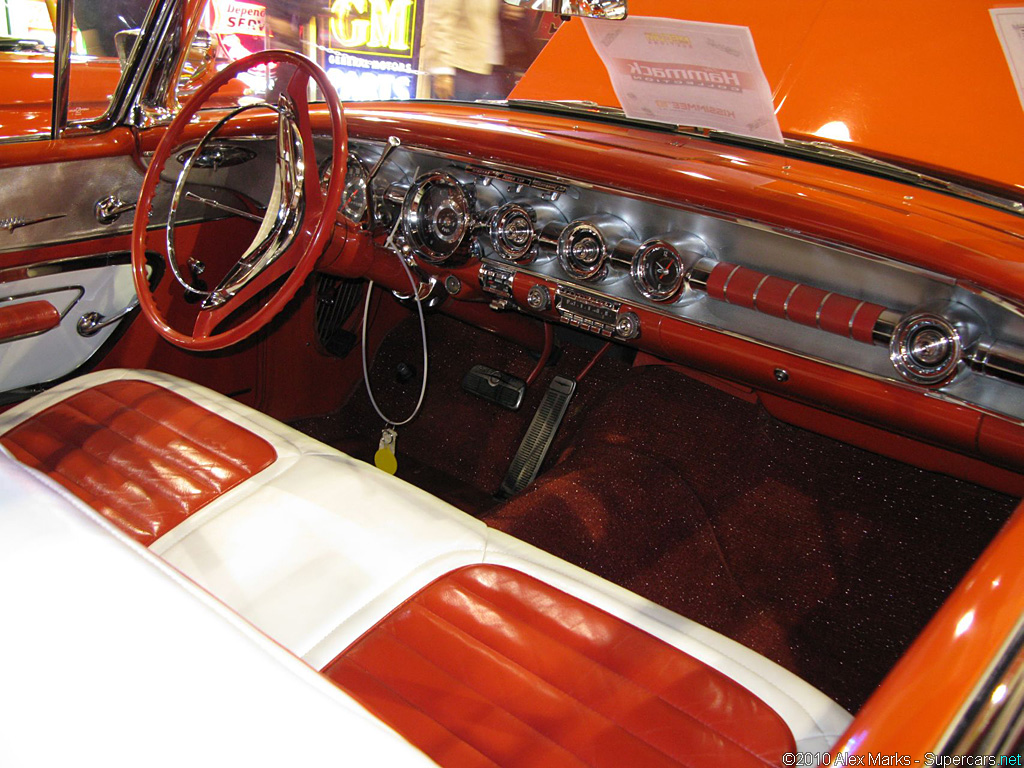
490, 666
143, 456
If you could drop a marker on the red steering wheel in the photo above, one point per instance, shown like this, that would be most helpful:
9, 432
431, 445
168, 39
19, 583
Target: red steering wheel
298, 221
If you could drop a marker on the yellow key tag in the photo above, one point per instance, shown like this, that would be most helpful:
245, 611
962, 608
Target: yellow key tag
385, 459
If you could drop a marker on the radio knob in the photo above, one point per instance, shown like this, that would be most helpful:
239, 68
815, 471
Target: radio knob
538, 299
627, 326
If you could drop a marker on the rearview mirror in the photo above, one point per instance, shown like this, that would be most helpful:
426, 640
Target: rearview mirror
594, 9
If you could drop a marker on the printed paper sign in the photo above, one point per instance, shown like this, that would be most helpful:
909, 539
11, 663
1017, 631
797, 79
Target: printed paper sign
1010, 28
687, 73
236, 18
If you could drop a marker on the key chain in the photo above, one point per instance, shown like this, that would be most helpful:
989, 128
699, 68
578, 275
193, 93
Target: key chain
385, 459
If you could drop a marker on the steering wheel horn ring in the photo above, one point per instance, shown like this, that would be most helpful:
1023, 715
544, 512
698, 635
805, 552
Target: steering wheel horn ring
294, 230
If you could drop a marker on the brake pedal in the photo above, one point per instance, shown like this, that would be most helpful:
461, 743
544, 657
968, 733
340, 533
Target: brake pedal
500, 388
538, 437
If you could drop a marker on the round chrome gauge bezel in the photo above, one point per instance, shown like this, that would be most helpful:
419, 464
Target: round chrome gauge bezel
500, 222
638, 270
907, 360
356, 174
570, 263
461, 205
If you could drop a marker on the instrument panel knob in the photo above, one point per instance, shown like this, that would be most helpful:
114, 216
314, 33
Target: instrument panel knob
538, 298
627, 326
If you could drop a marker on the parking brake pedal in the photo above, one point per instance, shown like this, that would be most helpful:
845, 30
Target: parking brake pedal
538, 438
500, 388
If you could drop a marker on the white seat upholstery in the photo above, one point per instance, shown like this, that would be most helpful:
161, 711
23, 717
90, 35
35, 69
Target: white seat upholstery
318, 547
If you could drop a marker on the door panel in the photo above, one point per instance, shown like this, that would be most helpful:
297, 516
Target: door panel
74, 289
81, 265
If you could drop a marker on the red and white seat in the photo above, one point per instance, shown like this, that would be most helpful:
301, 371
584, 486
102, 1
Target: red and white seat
475, 646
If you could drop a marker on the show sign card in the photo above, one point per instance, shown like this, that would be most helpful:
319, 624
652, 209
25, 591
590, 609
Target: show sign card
1009, 23
687, 73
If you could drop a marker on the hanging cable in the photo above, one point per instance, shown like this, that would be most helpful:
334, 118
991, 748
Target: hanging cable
390, 245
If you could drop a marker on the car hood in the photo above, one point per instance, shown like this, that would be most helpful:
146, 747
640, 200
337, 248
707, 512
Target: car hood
922, 83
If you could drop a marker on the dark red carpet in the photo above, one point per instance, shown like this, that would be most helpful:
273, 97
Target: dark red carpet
823, 557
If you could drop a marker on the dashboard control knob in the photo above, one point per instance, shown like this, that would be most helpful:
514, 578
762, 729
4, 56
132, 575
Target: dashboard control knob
627, 326
538, 298
453, 285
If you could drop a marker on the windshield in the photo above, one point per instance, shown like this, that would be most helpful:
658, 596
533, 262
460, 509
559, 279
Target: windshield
391, 49
869, 76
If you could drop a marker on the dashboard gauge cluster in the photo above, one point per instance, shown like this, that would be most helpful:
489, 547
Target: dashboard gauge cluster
586, 245
355, 199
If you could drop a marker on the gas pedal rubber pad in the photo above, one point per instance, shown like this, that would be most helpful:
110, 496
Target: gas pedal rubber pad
537, 441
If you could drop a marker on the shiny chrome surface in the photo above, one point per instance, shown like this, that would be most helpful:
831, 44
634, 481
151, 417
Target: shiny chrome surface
221, 154
831, 267
284, 211
613, 10
109, 209
92, 323
658, 270
926, 349
12, 223
513, 231
278, 225
355, 200
438, 216
61, 71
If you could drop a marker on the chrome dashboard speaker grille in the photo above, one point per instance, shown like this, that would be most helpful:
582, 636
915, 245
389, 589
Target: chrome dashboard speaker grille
438, 216
336, 299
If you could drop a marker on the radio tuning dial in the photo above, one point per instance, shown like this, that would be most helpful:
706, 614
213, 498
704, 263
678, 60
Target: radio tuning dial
538, 299
627, 326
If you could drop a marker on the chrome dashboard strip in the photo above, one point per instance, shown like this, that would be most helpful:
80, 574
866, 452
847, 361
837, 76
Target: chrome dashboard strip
472, 163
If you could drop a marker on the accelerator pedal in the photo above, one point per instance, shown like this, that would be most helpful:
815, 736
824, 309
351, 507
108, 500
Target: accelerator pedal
538, 438
500, 388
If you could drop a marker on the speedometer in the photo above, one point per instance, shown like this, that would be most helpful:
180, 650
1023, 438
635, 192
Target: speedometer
355, 198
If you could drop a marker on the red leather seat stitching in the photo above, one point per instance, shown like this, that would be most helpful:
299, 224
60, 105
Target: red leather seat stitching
140, 454
222, 456
192, 472
457, 684
539, 681
469, 585
117, 467
452, 749
489, 633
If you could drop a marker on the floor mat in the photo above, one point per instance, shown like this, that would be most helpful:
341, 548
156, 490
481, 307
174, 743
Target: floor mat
826, 558
823, 557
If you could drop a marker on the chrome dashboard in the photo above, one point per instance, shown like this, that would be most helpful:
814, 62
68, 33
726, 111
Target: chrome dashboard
597, 259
